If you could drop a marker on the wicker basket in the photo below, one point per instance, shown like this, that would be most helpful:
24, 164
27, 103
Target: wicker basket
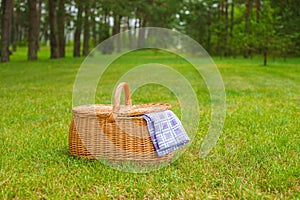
114, 133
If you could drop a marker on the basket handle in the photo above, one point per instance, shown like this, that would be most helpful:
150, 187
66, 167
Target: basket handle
117, 98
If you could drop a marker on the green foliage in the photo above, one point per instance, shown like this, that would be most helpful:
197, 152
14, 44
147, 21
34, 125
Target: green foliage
257, 156
209, 22
276, 29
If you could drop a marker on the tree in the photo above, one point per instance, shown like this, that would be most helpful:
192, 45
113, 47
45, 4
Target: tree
13, 35
86, 29
45, 25
226, 34
223, 27
77, 34
54, 42
116, 29
247, 24
257, 5
94, 23
287, 26
104, 32
7, 6
61, 28
201, 20
34, 28
268, 32
231, 25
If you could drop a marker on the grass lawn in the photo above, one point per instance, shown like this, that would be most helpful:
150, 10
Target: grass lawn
257, 156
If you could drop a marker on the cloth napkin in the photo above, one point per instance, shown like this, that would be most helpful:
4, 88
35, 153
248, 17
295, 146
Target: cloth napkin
166, 131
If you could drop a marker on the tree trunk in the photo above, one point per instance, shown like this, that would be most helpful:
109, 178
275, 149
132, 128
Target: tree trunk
141, 36
77, 34
61, 28
219, 9
134, 41
86, 31
94, 28
116, 31
220, 32
265, 57
54, 42
247, 21
18, 27
118, 36
208, 41
39, 11
34, 29
231, 26
6, 23
257, 10
231, 19
226, 29
129, 33
13, 38
45, 30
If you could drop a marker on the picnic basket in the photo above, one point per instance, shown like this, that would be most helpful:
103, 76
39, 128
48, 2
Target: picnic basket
115, 133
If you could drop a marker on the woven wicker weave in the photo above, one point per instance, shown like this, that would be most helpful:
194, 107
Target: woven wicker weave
114, 133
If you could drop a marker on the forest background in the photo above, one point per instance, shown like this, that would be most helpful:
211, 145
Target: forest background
225, 28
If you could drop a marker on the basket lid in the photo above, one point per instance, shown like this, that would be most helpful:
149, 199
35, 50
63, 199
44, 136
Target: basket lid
117, 110
99, 109
104, 110
141, 109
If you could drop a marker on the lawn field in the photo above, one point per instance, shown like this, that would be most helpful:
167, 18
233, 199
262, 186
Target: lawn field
256, 157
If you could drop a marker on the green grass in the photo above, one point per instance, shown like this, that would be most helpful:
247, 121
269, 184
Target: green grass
257, 156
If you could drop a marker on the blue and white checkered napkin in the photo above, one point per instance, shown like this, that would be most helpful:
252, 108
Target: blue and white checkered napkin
166, 131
